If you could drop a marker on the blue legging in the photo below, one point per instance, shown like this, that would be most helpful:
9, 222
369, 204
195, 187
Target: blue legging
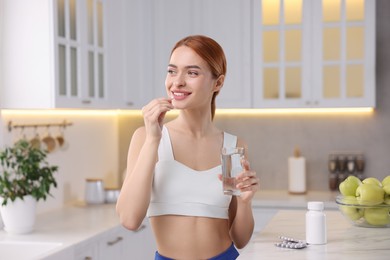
230, 254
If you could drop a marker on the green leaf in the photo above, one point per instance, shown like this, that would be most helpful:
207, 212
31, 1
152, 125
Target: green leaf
25, 171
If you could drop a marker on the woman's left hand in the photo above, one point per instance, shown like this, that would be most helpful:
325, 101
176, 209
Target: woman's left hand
247, 182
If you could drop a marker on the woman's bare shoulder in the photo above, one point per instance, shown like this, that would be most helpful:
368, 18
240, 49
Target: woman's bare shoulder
140, 131
139, 135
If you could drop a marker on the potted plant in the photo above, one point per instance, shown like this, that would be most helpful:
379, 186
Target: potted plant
25, 178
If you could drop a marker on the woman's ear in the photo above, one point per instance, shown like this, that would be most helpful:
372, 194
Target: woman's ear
219, 83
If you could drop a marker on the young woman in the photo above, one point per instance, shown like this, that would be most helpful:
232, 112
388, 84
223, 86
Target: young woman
174, 169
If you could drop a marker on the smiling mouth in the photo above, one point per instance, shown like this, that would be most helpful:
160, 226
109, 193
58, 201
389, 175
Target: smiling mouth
180, 94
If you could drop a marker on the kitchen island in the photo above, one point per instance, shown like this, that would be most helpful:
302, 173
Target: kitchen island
345, 241
78, 230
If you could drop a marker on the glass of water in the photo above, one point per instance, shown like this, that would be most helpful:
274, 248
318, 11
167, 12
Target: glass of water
231, 158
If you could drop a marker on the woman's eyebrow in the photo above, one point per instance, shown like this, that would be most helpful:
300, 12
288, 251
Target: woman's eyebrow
187, 67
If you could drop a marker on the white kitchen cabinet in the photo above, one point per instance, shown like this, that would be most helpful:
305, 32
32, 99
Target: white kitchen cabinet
27, 53
139, 244
171, 20
121, 243
262, 216
137, 82
229, 23
80, 53
317, 53
56, 54
118, 243
87, 250
111, 245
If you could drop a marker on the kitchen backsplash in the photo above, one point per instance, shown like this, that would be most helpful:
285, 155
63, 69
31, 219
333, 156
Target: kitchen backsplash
92, 150
98, 145
272, 139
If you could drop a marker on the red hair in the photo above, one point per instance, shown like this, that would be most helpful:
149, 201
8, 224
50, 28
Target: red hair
211, 52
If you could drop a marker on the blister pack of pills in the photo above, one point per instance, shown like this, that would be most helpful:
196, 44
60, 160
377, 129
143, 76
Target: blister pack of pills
288, 242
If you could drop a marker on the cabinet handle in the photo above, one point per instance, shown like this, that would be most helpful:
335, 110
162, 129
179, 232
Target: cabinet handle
130, 104
113, 242
88, 258
86, 101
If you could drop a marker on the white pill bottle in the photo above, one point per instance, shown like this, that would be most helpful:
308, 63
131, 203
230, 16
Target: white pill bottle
315, 223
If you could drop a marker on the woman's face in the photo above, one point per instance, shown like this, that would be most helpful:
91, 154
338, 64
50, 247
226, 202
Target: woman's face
189, 81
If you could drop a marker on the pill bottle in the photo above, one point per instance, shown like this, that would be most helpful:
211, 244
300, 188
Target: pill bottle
315, 223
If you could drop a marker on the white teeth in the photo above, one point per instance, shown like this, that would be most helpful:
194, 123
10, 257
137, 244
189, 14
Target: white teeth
178, 94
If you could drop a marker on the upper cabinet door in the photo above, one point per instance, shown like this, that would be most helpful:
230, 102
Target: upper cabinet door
175, 19
172, 20
55, 54
27, 54
80, 53
134, 56
114, 53
229, 23
281, 53
317, 53
344, 53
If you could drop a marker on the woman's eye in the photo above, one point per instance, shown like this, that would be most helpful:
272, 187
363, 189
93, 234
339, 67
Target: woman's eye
170, 71
193, 73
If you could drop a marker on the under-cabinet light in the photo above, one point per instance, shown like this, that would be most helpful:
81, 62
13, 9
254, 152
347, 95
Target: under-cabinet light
290, 111
239, 111
60, 112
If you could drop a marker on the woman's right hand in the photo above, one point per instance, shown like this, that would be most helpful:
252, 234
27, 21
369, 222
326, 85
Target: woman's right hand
154, 114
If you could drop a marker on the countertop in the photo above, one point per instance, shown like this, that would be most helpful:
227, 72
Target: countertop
67, 226
78, 222
284, 200
345, 241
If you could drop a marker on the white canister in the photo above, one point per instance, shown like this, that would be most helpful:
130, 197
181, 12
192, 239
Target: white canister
111, 195
94, 191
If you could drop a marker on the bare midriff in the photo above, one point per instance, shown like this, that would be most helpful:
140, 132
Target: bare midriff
182, 237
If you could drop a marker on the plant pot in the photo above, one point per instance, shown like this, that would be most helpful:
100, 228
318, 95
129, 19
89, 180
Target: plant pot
19, 215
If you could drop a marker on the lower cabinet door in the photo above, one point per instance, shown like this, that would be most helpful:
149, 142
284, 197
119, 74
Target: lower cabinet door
87, 251
111, 245
119, 243
139, 244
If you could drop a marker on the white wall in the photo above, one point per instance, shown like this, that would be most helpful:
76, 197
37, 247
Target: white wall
92, 151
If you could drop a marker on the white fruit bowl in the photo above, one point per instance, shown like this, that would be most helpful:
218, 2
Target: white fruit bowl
377, 216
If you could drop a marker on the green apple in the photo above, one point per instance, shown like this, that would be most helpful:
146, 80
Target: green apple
377, 216
370, 194
350, 200
353, 213
386, 180
372, 180
386, 188
349, 185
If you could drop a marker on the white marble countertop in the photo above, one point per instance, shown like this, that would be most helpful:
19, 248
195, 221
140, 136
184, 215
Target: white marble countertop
345, 241
76, 223
67, 227
281, 199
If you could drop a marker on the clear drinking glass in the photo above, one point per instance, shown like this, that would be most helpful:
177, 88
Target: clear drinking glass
231, 158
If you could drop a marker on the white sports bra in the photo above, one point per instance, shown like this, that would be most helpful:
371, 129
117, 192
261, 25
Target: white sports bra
179, 190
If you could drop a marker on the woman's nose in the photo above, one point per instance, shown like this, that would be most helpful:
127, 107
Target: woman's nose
179, 81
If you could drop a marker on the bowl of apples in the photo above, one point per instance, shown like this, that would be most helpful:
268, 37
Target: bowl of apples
365, 203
